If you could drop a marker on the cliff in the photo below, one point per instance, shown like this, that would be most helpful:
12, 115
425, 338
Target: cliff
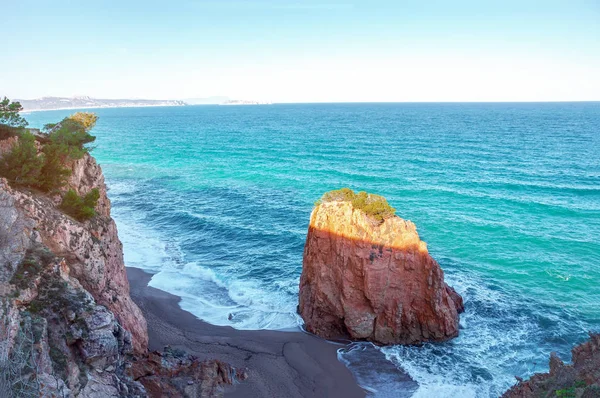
69, 326
92, 250
369, 280
580, 379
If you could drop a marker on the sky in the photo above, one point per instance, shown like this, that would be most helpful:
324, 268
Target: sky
303, 51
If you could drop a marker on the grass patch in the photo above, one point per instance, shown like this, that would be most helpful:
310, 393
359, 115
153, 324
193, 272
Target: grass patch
375, 206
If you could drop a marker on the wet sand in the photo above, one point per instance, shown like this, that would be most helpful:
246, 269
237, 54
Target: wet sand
280, 364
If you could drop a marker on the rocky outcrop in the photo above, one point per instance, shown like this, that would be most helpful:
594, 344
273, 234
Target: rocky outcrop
175, 374
69, 327
55, 339
91, 249
366, 280
580, 379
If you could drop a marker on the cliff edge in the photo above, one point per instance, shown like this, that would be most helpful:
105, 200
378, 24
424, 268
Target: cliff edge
69, 327
91, 249
369, 279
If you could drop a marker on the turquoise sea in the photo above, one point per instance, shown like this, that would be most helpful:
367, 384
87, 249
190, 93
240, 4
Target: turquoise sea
217, 199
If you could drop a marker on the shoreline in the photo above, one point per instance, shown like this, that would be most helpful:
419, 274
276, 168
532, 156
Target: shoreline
279, 363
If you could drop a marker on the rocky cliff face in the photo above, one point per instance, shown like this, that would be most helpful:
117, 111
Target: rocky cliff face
579, 379
373, 281
91, 249
68, 325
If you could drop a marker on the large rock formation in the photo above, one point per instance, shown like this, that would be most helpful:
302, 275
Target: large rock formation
369, 280
579, 379
91, 249
69, 327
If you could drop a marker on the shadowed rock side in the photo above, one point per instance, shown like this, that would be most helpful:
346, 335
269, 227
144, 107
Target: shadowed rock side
580, 379
373, 281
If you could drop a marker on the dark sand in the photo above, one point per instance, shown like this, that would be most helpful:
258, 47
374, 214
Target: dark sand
280, 364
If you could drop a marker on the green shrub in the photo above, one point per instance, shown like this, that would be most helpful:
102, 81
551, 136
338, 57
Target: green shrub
62, 142
72, 133
22, 165
375, 206
53, 173
80, 208
65, 141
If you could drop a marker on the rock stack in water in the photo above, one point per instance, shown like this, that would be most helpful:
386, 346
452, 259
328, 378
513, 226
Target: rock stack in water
368, 276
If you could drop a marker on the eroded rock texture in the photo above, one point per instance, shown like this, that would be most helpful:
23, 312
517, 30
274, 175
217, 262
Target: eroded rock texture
91, 249
69, 327
580, 379
373, 281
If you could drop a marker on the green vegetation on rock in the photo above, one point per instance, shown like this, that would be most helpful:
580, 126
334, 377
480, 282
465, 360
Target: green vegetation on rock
43, 165
80, 207
375, 206
571, 392
64, 141
42, 161
22, 165
72, 133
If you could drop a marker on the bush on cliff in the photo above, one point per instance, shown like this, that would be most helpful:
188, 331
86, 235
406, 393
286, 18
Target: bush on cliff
64, 141
54, 174
22, 165
375, 206
80, 207
73, 133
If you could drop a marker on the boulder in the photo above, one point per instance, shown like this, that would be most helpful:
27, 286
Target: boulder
368, 279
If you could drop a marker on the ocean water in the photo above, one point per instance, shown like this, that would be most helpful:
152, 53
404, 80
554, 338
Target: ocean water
216, 200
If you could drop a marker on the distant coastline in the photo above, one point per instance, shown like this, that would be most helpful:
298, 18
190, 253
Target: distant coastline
62, 103
26, 111
85, 102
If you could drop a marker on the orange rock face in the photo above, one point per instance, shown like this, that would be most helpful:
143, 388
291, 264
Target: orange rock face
369, 281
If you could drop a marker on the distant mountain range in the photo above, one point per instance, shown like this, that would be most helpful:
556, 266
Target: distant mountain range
49, 103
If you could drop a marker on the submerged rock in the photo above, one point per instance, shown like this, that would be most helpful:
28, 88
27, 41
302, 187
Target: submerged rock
369, 280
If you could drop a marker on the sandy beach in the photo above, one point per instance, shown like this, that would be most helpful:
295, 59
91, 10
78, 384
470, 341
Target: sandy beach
280, 364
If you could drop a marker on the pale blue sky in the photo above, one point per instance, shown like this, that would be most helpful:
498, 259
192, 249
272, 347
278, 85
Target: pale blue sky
303, 51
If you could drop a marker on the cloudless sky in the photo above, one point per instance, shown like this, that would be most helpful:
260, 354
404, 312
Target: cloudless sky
303, 51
